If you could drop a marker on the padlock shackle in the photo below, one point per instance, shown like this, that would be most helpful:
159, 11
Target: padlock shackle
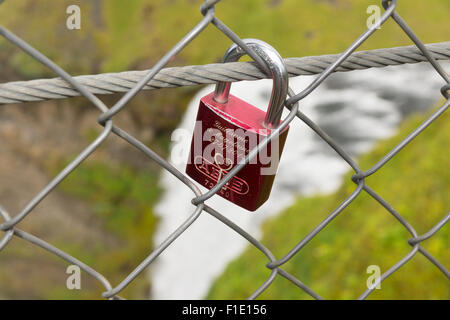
278, 72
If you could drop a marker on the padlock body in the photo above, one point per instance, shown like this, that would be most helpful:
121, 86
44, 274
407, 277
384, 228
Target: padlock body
223, 136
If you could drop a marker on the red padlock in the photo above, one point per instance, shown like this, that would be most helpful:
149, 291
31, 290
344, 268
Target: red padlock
227, 128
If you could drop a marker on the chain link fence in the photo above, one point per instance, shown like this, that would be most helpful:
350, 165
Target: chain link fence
9, 224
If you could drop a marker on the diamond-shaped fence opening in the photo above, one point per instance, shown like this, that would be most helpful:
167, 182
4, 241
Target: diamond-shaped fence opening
158, 77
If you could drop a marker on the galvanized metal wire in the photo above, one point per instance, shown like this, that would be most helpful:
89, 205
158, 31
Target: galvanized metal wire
109, 83
72, 86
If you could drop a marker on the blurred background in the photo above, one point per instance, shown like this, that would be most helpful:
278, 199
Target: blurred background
117, 205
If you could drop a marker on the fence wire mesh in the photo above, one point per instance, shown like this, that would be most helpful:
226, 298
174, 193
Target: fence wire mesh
9, 225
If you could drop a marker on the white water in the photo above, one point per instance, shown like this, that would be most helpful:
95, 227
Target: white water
356, 109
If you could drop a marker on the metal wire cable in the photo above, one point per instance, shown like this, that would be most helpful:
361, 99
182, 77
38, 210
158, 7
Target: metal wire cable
109, 83
133, 82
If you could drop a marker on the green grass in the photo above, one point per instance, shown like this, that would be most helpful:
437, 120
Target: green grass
123, 198
118, 194
136, 33
415, 182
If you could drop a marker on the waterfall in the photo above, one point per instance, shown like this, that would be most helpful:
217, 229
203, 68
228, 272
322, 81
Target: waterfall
356, 109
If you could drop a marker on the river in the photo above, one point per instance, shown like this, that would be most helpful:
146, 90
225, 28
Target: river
356, 108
